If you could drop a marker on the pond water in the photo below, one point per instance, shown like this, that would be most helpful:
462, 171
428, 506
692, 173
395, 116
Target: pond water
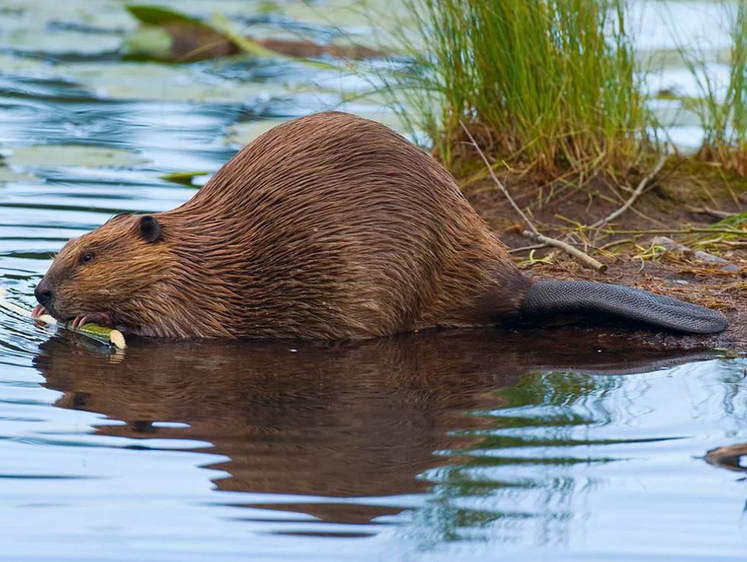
452, 446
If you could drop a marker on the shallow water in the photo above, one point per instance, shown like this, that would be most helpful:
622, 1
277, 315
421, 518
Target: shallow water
451, 446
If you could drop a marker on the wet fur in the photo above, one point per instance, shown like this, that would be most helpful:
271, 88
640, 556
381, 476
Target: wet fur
326, 227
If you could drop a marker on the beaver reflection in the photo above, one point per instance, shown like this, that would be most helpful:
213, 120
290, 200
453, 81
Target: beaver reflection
336, 420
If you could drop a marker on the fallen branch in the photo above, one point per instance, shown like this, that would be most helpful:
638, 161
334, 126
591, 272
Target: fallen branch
93, 331
568, 249
636, 193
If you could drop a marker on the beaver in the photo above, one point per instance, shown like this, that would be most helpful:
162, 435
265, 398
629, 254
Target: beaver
328, 227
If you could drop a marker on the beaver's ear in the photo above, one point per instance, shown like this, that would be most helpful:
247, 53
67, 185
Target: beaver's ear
150, 229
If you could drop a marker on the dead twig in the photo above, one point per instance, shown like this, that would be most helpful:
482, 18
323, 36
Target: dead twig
636, 193
609, 245
733, 244
733, 231
567, 248
671, 246
527, 248
712, 212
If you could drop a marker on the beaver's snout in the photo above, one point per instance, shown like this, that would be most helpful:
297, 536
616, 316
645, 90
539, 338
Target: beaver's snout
44, 294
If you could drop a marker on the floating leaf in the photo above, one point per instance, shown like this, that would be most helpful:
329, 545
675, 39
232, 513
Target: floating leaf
149, 81
7, 175
55, 155
171, 36
157, 15
183, 178
252, 47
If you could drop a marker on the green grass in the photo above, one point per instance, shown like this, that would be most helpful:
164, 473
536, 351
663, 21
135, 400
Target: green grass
722, 108
548, 86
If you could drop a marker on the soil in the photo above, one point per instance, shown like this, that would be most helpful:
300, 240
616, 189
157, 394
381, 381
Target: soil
681, 199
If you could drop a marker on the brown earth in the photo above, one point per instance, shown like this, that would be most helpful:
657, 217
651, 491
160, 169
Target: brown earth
680, 200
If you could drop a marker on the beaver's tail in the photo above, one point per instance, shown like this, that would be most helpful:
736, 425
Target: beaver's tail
557, 297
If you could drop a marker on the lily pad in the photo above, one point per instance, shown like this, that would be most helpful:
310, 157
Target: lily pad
7, 175
150, 81
40, 14
52, 155
12, 64
62, 42
157, 15
254, 48
172, 36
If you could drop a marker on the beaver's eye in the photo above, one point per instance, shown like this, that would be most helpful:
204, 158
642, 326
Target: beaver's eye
87, 257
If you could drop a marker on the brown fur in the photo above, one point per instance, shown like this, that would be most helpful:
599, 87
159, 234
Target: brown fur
326, 227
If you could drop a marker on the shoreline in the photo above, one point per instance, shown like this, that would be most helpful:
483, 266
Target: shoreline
671, 208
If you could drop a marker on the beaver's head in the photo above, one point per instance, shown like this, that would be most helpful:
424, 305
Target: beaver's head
109, 276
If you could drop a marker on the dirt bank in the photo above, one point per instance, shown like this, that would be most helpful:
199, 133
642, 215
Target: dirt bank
682, 205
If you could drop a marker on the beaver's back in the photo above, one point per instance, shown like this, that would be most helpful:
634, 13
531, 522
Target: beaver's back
334, 226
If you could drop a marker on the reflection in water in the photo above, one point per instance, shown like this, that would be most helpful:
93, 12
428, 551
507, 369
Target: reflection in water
730, 458
348, 420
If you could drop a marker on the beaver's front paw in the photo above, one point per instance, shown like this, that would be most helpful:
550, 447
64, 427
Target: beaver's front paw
100, 318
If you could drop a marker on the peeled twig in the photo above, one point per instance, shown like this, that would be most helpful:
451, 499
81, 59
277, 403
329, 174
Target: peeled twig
636, 193
712, 212
568, 249
672, 246
93, 331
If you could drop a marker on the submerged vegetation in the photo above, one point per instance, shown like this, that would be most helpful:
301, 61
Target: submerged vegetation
553, 87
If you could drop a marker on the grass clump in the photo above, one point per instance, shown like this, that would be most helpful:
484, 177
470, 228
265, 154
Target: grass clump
543, 85
722, 108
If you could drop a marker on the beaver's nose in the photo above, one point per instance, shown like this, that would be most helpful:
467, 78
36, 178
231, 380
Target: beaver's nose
43, 294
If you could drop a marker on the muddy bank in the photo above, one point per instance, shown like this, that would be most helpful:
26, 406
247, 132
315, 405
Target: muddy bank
681, 206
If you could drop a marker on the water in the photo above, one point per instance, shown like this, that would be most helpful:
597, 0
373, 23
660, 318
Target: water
462, 445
